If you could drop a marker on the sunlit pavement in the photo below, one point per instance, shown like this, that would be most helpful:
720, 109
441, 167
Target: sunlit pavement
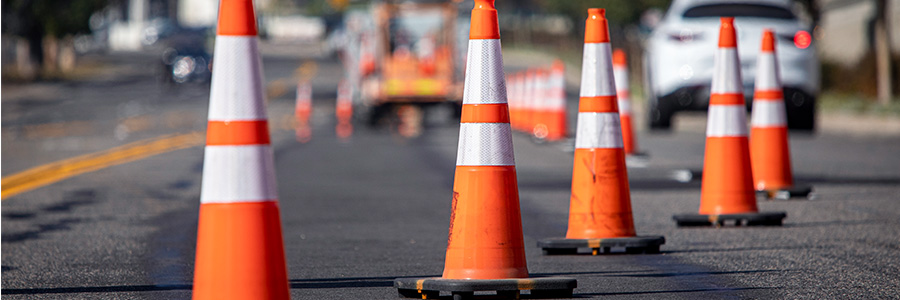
359, 212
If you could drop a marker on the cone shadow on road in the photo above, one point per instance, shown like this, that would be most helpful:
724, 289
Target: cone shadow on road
694, 175
346, 282
736, 249
676, 274
678, 291
96, 289
848, 180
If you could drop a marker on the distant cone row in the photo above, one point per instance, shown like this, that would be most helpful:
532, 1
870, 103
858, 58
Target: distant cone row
537, 100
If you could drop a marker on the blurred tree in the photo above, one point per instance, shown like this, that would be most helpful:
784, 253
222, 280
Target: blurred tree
41, 23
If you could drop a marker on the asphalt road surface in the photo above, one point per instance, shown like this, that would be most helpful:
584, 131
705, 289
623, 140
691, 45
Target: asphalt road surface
360, 212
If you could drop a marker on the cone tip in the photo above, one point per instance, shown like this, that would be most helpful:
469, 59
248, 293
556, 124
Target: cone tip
484, 24
484, 4
619, 58
236, 17
726, 33
596, 29
768, 42
558, 65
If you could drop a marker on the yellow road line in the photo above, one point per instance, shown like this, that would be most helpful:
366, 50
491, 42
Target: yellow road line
49, 173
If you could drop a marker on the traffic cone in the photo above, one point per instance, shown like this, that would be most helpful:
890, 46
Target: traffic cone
303, 110
529, 100
539, 129
727, 192
240, 251
485, 248
600, 207
623, 91
517, 114
344, 110
556, 107
512, 86
770, 155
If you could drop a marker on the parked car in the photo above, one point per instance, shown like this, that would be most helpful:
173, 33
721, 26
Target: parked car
680, 52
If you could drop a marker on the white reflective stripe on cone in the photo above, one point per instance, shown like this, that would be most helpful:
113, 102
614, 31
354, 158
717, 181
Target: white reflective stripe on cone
598, 130
540, 91
767, 77
726, 121
238, 174
484, 73
621, 75
304, 93
530, 93
236, 89
768, 114
485, 144
596, 71
624, 106
557, 103
727, 72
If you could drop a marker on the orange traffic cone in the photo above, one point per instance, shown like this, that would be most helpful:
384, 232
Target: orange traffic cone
539, 130
600, 208
485, 248
303, 110
556, 107
770, 155
240, 251
512, 86
344, 110
727, 192
529, 101
623, 91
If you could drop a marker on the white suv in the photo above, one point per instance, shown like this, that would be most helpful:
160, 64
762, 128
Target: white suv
678, 60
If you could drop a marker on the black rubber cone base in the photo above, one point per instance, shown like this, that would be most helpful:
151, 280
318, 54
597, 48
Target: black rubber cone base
798, 192
746, 219
630, 245
539, 287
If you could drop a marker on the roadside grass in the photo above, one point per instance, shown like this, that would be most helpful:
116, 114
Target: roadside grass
835, 102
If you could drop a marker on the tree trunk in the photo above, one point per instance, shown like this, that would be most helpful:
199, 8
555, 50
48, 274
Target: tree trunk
67, 56
882, 53
51, 55
24, 63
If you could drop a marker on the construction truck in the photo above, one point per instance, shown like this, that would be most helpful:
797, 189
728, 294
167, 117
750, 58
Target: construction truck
410, 62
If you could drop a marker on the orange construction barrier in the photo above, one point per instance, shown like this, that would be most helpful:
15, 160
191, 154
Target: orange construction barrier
600, 208
770, 155
344, 110
303, 110
240, 251
727, 192
485, 247
623, 91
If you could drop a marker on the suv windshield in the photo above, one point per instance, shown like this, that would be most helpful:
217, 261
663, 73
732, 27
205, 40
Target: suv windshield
739, 10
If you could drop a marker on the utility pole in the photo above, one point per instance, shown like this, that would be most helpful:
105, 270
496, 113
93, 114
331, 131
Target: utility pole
882, 53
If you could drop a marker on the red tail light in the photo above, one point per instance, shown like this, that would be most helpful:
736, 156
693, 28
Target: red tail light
802, 39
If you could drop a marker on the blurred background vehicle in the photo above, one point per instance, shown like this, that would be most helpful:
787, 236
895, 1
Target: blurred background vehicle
408, 61
186, 58
678, 60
